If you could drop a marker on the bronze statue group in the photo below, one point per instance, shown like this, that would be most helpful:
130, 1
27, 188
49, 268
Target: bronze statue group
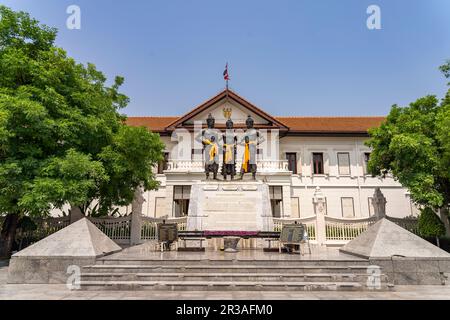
210, 138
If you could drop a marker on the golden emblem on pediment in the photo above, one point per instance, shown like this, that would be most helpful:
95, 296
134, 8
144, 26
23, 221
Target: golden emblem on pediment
227, 113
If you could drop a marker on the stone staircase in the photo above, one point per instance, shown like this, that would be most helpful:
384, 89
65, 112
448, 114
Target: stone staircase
235, 274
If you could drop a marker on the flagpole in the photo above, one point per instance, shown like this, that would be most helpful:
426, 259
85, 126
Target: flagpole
228, 76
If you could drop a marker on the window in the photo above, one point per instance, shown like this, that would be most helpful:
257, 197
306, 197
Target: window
292, 162
162, 165
181, 195
318, 163
366, 162
348, 208
276, 200
344, 163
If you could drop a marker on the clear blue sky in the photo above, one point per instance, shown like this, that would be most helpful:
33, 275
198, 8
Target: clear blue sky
294, 57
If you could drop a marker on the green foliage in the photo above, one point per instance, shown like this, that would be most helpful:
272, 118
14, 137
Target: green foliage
445, 69
26, 224
430, 225
129, 160
72, 178
96, 213
413, 145
62, 138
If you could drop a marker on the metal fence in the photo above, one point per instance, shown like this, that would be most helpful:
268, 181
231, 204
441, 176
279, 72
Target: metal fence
324, 230
338, 231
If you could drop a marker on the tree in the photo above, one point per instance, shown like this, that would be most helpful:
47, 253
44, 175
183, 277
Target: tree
413, 144
429, 224
62, 138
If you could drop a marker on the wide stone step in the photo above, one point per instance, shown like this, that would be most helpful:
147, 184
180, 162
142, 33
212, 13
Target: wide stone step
221, 286
109, 269
230, 262
235, 277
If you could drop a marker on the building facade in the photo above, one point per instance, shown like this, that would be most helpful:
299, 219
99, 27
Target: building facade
298, 154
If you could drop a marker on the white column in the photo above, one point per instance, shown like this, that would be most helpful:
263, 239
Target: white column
287, 208
136, 217
320, 210
169, 199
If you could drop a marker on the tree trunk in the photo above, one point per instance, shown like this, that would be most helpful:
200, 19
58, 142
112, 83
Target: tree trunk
444, 217
8, 235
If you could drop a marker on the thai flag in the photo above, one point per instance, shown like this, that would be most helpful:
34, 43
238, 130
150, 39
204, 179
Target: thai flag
225, 73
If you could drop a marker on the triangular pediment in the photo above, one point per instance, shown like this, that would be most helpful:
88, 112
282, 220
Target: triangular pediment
224, 105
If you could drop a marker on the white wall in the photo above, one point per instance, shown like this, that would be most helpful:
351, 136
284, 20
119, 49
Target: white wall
301, 186
356, 185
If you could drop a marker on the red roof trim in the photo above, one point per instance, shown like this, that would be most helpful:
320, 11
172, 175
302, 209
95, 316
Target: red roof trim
296, 125
222, 95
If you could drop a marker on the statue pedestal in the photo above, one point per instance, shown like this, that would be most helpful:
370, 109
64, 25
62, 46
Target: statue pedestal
230, 206
230, 244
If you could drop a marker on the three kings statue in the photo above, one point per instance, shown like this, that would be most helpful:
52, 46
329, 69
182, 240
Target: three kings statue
210, 139
229, 151
250, 141
228, 141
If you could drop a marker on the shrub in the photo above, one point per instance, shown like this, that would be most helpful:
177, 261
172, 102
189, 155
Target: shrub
430, 225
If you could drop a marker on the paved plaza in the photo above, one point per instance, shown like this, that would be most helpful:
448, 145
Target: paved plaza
146, 251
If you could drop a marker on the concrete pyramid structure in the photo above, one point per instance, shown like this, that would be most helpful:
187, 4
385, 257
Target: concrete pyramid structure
80, 239
51, 259
385, 239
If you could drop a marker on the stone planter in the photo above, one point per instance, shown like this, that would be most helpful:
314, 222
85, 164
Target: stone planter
230, 244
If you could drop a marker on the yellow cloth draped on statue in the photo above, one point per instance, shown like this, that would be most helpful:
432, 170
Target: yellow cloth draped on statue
246, 161
213, 151
228, 152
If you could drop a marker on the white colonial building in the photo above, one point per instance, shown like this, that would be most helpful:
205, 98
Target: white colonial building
298, 155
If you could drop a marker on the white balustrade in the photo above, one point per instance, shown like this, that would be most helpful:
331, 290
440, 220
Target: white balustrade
310, 223
340, 229
117, 229
149, 229
197, 166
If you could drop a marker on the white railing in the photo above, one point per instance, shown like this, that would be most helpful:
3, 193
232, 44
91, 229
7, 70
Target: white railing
117, 229
341, 229
327, 230
185, 166
310, 223
197, 166
149, 229
272, 166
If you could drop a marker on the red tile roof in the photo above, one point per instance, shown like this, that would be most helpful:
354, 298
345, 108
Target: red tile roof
156, 124
292, 125
331, 124
295, 124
